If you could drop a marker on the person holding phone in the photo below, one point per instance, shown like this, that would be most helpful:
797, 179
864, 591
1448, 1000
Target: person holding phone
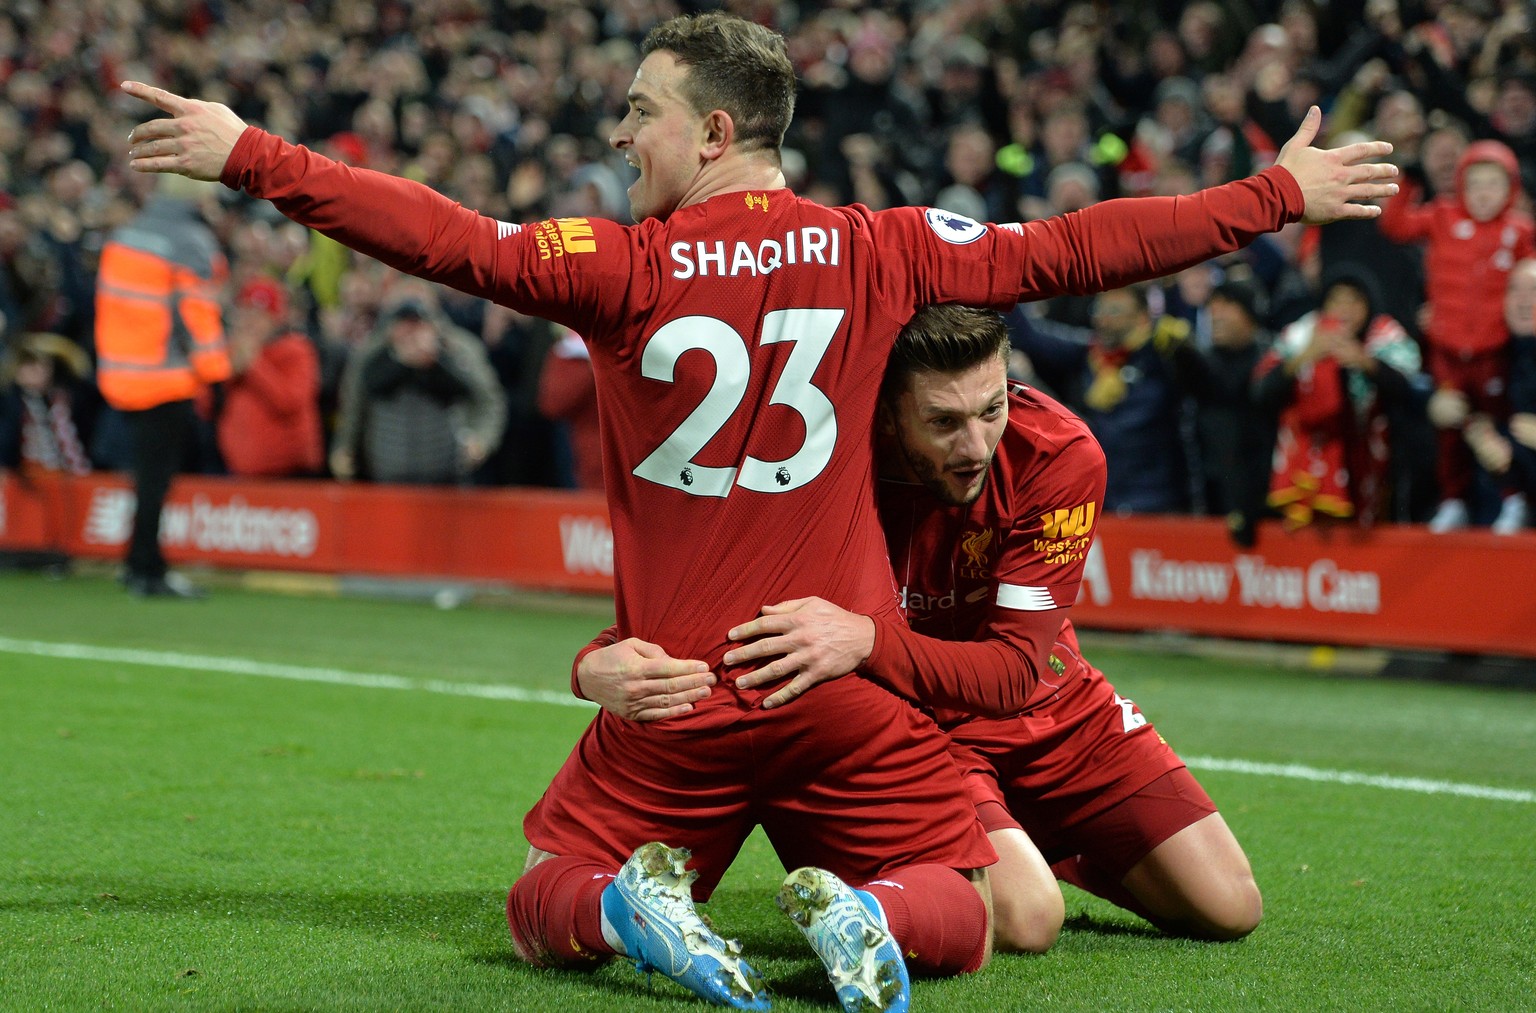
1335, 378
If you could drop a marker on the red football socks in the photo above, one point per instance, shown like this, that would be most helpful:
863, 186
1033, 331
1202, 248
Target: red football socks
936, 915
555, 913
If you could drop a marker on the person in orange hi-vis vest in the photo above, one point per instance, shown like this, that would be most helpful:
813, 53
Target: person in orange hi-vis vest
159, 340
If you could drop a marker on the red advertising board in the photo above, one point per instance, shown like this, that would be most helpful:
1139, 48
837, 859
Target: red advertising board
1390, 586
534, 538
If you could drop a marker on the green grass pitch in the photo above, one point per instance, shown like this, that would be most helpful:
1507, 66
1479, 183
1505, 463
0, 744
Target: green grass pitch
272, 802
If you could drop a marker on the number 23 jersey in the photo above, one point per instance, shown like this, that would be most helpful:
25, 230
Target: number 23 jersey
738, 347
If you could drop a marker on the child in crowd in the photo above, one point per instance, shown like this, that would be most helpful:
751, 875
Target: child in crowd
1473, 237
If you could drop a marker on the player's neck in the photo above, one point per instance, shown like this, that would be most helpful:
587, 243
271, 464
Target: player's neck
734, 175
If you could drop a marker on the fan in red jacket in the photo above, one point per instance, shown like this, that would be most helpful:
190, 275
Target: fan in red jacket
1472, 238
270, 422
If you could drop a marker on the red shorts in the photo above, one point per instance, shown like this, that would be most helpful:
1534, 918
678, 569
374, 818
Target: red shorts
850, 778
1081, 775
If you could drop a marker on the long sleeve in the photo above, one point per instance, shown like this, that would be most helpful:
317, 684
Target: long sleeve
1119, 242
398, 221
993, 675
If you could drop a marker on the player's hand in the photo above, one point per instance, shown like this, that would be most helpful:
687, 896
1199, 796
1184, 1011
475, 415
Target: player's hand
641, 682
810, 638
1333, 180
195, 141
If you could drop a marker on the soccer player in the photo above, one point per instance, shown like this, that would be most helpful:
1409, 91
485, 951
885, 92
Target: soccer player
738, 333
988, 496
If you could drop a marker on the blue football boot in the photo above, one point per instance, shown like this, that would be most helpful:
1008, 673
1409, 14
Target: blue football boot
651, 908
847, 932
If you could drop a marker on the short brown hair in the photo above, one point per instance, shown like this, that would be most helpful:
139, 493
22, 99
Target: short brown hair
944, 339
734, 65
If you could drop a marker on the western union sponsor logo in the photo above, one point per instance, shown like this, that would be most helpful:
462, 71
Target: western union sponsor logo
1068, 523
576, 235
560, 236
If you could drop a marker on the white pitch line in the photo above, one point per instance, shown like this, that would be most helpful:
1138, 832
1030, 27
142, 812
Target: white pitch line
491, 691
1417, 784
297, 673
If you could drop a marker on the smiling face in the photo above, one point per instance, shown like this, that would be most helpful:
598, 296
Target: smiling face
945, 427
662, 136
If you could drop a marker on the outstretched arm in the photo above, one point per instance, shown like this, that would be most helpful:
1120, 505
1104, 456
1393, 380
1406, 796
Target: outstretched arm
408, 226
402, 223
1131, 239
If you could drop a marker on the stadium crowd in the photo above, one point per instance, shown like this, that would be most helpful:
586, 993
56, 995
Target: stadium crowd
1373, 370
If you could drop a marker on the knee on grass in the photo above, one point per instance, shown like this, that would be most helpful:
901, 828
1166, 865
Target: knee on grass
1228, 915
1027, 925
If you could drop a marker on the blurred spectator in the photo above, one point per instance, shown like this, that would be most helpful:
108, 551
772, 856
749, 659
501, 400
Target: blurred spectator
1508, 452
29, 275
1234, 439
268, 424
568, 395
159, 341
419, 403
1439, 164
1472, 239
873, 102
973, 187
1396, 269
532, 451
344, 328
1066, 138
1121, 378
1179, 116
1333, 378
1187, 297
41, 424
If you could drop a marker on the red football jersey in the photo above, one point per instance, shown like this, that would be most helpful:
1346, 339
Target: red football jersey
994, 579
738, 347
